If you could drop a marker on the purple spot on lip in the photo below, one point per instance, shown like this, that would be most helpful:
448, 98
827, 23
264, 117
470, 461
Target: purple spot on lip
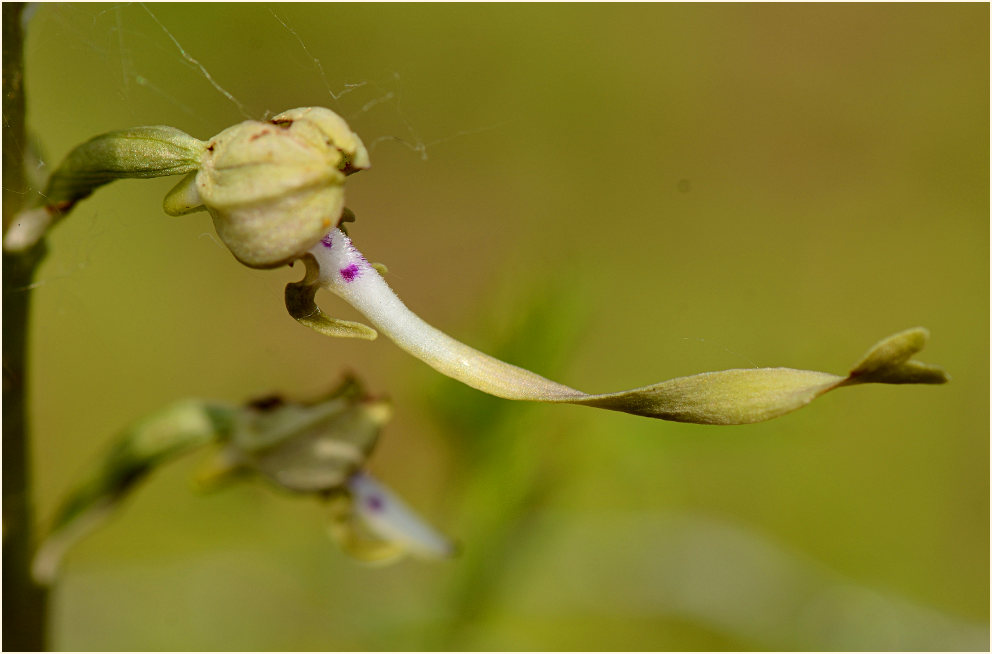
326, 241
350, 272
374, 503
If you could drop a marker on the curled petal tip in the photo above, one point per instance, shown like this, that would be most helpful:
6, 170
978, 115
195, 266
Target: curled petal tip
300, 303
889, 362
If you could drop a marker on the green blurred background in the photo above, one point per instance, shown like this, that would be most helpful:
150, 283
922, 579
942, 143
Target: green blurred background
610, 195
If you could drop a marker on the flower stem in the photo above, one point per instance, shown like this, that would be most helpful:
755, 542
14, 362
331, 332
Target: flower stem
25, 602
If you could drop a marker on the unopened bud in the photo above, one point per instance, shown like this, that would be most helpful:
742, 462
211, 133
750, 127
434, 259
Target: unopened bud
274, 188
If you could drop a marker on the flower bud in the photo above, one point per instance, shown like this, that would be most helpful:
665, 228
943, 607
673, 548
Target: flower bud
274, 188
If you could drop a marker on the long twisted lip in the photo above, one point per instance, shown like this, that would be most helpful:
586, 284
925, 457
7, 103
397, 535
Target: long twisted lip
725, 397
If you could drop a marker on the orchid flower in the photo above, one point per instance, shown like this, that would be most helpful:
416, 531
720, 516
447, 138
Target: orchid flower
275, 191
314, 449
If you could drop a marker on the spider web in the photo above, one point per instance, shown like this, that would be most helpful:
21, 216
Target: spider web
155, 56
151, 56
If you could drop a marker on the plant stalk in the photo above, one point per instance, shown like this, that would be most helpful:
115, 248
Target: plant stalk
25, 602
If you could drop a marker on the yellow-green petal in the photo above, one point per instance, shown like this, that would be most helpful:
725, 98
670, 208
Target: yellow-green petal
727, 397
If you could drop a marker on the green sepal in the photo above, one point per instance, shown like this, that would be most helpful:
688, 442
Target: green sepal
183, 198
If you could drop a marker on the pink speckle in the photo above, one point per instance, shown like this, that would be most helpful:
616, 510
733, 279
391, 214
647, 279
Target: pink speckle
349, 273
326, 241
374, 503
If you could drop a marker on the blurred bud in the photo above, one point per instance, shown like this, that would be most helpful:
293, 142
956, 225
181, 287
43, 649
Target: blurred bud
305, 447
316, 448
321, 448
274, 188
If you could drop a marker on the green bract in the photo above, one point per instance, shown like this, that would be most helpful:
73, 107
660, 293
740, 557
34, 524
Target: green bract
140, 152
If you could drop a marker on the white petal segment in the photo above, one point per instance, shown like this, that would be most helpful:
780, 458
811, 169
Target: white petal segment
346, 273
388, 518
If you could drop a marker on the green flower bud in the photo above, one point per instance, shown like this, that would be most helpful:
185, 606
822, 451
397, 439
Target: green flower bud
274, 188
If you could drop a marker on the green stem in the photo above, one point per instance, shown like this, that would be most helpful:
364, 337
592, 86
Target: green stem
25, 602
